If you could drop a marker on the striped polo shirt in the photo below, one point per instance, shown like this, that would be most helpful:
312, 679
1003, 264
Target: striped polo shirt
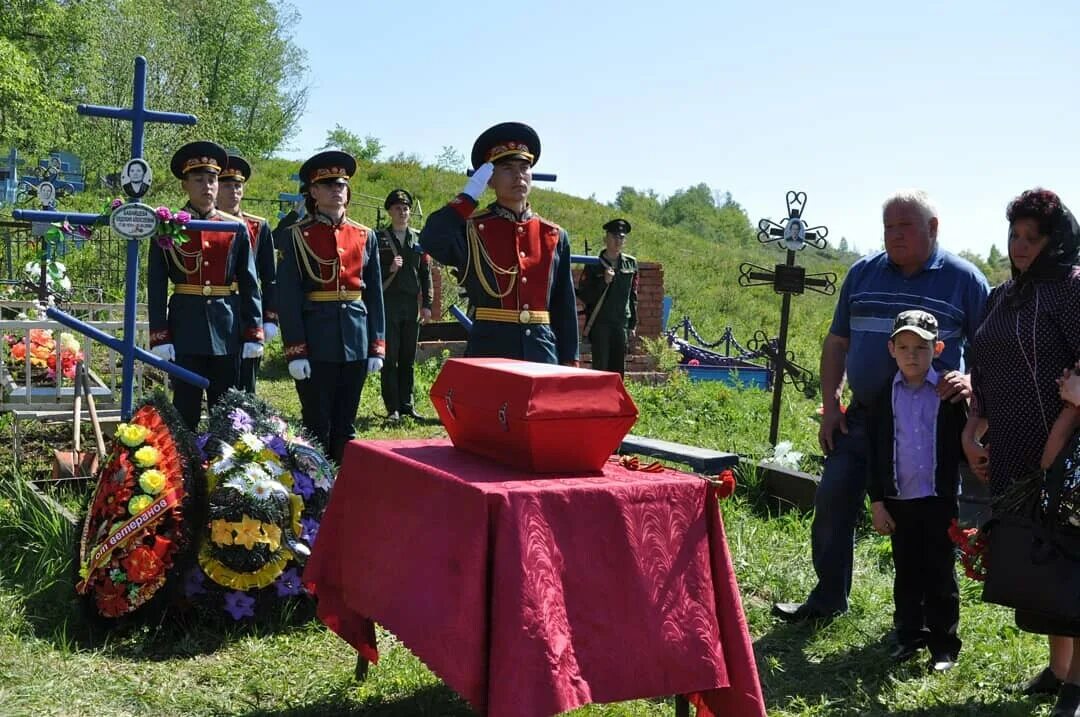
875, 291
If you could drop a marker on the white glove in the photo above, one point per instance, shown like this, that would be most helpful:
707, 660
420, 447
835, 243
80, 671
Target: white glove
300, 369
478, 182
164, 351
252, 349
374, 364
269, 332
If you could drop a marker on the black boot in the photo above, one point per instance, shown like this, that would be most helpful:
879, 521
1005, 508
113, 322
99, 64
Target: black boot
1068, 701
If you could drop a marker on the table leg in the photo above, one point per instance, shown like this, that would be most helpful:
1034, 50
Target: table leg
361, 668
682, 706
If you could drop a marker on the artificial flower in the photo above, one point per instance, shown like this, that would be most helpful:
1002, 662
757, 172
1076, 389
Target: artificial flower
288, 583
147, 457
195, 582
111, 599
248, 532
277, 445
239, 605
163, 214
251, 442
142, 565
132, 434
241, 420
311, 530
182, 217
273, 535
727, 483
303, 485
152, 481
116, 203
221, 532
139, 503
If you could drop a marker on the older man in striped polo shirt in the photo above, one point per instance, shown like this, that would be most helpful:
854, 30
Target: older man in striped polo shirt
912, 273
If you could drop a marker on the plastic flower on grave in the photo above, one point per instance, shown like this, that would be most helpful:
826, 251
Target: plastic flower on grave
147, 457
195, 582
182, 217
116, 203
248, 532
310, 529
151, 481
251, 442
111, 598
132, 435
288, 583
142, 565
164, 214
241, 420
271, 535
239, 605
139, 503
221, 532
277, 445
303, 486
69, 343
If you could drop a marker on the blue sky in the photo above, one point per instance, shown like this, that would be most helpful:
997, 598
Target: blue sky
846, 101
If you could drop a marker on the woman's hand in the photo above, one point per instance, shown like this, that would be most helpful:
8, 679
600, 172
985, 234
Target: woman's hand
978, 456
1069, 387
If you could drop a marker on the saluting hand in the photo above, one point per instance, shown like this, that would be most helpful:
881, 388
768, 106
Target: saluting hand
478, 182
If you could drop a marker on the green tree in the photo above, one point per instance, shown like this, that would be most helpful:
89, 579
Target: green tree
368, 149
451, 160
632, 201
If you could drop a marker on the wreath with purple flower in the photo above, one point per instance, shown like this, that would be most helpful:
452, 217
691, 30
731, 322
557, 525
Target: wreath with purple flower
267, 490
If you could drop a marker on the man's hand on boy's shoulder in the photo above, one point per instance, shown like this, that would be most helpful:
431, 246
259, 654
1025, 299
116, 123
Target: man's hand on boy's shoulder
954, 387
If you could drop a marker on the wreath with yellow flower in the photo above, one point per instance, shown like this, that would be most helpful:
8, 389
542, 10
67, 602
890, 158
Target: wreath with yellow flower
267, 490
137, 533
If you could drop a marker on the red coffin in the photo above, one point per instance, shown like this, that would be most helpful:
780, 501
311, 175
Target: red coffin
533, 416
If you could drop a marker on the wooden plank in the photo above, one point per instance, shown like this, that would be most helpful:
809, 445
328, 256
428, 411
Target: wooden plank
702, 460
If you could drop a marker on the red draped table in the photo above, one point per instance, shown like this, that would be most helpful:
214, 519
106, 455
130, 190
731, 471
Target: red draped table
529, 595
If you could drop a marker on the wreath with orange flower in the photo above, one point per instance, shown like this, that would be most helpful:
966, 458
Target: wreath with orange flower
137, 534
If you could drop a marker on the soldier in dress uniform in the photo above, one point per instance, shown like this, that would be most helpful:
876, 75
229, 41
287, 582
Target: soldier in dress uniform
515, 265
406, 272
330, 302
214, 316
609, 292
231, 183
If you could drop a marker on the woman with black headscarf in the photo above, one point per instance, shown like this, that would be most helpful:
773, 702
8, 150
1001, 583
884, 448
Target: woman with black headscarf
1029, 334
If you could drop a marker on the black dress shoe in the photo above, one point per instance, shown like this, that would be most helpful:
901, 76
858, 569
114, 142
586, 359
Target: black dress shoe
1044, 683
411, 413
904, 651
942, 661
394, 417
798, 612
1068, 701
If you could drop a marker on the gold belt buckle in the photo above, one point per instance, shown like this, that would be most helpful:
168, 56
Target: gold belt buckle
524, 316
206, 291
342, 291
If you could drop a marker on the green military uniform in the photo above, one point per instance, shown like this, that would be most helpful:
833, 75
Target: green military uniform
610, 309
400, 291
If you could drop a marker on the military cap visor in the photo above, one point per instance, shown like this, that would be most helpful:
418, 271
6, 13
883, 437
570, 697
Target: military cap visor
621, 227
398, 196
922, 324
330, 167
508, 140
237, 170
198, 157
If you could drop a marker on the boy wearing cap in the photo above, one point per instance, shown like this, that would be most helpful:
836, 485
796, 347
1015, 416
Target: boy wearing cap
406, 272
231, 182
914, 455
214, 316
609, 292
515, 265
331, 303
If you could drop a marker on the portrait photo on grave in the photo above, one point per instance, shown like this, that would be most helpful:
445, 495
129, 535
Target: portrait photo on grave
46, 194
136, 177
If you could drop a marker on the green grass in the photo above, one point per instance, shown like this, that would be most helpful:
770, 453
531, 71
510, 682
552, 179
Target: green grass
53, 663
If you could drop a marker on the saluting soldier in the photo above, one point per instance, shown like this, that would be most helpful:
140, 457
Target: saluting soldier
609, 292
231, 183
214, 316
515, 265
330, 302
406, 272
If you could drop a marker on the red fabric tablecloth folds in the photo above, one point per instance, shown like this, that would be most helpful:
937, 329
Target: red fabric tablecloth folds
531, 596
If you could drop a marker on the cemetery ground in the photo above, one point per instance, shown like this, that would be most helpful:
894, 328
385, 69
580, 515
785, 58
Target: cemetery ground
53, 663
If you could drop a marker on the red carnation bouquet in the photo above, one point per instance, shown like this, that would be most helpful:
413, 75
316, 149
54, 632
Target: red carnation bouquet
972, 544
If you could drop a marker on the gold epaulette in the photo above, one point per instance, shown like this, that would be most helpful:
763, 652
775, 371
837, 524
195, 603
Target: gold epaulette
358, 225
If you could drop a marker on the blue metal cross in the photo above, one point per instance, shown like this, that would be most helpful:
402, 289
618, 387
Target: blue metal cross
138, 115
